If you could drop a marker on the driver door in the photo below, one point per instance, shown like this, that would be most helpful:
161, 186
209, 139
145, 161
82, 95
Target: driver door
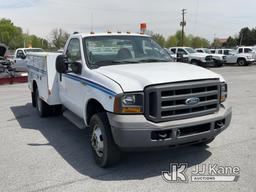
71, 85
20, 61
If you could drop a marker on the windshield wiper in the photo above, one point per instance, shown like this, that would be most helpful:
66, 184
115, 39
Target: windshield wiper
111, 62
152, 60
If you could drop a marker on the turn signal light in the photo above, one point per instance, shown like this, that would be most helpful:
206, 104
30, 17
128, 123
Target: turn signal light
131, 110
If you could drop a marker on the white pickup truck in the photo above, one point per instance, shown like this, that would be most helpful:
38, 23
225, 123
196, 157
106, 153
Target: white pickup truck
201, 59
233, 57
124, 88
219, 59
20, 57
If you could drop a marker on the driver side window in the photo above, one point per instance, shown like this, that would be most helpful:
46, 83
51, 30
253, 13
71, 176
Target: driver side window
73, 51
74, 56
182, 51
20, 54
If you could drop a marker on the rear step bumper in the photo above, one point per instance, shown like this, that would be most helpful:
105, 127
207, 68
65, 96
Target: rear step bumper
134, 131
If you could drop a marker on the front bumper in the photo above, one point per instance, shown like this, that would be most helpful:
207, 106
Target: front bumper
250, 61
135, 131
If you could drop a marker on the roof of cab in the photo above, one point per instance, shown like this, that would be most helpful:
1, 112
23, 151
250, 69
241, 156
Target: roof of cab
108, 34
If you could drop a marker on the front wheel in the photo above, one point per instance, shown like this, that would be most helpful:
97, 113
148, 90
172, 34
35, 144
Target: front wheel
241, 62
104, 149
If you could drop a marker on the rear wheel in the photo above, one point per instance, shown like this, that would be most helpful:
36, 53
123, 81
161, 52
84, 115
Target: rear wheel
33, 99
104, 149
42, 107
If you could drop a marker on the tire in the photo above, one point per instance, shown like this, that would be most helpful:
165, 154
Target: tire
33, 99
104, 149
42, 107
241, 62
205, 142
56, 110
218, 64
194, 62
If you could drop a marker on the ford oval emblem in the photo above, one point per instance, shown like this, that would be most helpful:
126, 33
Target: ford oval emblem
192, 101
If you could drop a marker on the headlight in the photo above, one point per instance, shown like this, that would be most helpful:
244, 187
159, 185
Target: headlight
249, 57
129, 103
223, 92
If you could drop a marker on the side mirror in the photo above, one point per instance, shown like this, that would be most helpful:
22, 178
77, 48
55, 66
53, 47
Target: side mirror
61, 65
76, 67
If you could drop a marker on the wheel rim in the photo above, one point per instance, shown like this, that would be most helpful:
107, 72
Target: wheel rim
240, 62
97, 141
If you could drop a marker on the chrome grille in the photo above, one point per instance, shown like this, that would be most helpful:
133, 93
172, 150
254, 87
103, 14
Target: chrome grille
168, 102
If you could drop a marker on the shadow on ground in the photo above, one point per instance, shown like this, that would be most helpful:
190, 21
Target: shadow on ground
72, 144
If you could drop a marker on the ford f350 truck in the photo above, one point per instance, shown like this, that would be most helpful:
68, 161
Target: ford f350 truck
125, 89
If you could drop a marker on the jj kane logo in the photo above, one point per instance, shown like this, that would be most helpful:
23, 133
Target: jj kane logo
201, 173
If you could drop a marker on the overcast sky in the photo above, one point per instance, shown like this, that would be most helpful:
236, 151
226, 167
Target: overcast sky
206, 18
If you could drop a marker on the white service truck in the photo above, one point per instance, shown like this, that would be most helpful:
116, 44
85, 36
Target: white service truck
124, 88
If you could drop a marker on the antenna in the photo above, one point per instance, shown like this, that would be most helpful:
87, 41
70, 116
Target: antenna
92, 30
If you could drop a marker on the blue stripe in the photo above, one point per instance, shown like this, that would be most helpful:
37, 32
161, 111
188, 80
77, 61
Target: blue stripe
37, 69
91, 84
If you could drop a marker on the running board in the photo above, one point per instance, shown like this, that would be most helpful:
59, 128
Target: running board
73, 118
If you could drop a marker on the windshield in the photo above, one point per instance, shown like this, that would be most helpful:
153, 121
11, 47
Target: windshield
190, 50
110, 50
33, 50
207, 51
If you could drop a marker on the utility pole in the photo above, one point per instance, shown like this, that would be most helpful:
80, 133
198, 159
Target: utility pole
183, 24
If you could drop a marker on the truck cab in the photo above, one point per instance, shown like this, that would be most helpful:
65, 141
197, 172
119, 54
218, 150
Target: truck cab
20, 61
247, 49
130, 95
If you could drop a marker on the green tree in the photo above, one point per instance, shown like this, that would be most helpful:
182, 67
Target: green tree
10, 34
198, 42
171, 42
159, 39
36, 41
59, 38
246, 37
231, 42
216, 44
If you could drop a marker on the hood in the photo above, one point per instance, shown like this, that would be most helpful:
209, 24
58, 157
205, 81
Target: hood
135, 77
3, 50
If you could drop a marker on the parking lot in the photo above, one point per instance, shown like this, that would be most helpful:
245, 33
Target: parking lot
51, 154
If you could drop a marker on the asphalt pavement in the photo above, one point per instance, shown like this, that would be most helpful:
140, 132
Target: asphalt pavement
52, 155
